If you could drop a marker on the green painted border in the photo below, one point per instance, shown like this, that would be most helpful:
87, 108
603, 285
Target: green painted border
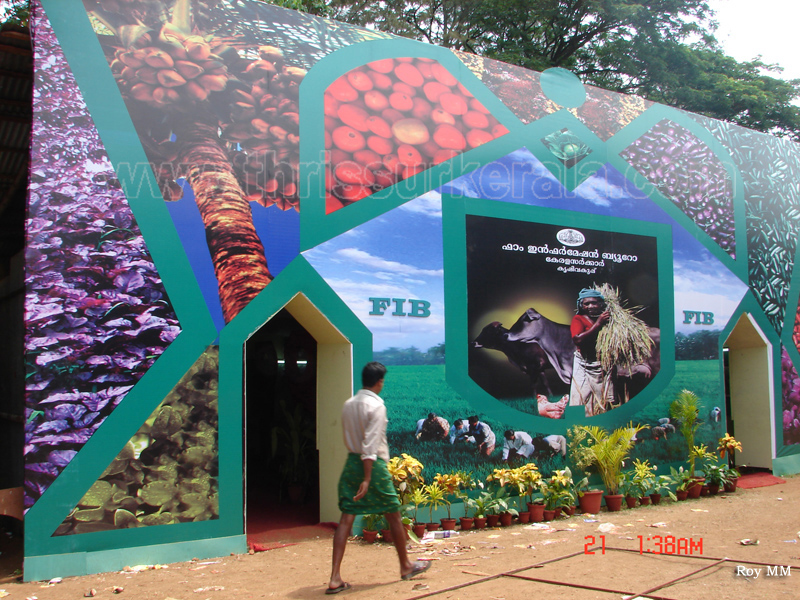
454, 211
316, 226
44, 567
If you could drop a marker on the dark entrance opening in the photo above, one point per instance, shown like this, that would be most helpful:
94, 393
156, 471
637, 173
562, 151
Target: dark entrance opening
280, 410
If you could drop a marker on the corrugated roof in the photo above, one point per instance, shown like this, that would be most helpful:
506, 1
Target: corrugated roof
16, 83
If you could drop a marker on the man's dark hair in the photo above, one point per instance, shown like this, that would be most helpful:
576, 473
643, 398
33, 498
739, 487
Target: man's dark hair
431, 415
457, 422
473, 419
373, 372
508, 434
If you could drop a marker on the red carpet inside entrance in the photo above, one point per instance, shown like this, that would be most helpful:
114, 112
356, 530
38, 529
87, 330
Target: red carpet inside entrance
758, 479
272, 523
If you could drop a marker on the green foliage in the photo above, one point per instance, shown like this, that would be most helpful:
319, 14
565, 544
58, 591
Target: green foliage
593, 447
699, 345
411, 356
15, 12
372, 522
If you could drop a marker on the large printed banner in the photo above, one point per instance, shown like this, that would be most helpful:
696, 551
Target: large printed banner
524, 252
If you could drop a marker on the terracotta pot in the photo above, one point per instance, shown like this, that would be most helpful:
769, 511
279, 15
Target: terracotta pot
569, 510
730, 486
590, 501
369, 535
506, 519
655, 498
558, 511
492, 520
695, 488
419, 529
466, 523
713, 489
644, 500
480, 522
448, 524
432, 526
524, 517
537, 512
613, 502
682, 494
549, 515
630, 501
386, 534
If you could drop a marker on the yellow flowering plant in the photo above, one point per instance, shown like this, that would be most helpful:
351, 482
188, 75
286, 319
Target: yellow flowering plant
406, 472
728, 445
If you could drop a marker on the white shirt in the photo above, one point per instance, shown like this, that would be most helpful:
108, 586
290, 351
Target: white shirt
520, 439
364, 426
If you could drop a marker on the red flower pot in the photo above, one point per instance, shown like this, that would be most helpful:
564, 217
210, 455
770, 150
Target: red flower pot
369, 536
696, 487
506, 519
590, 501
466, 523
549, 515
419, 529
730, 486
630, 501
655, 498
569, 510
644, 500
713, 489
492, 520
682, 494
448, 524
480, 522
524, 517
537, 512
613, 502
432, 526
386, 534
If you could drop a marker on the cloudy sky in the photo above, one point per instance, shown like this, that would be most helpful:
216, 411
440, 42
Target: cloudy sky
767, 28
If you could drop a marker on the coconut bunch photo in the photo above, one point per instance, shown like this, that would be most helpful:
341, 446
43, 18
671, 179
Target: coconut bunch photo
625, 340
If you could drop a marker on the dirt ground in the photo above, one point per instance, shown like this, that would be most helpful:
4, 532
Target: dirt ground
770, 515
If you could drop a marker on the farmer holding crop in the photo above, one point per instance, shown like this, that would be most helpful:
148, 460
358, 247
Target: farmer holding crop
591, 386
365, 486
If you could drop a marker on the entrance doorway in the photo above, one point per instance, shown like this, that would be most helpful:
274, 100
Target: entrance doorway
280, 437
749, 393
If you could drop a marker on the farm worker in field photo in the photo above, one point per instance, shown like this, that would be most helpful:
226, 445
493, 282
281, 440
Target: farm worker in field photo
591, 386
483, 434
365, 486
432, 429
517, 443
460, 432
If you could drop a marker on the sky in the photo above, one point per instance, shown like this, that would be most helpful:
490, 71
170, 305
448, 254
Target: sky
767, 27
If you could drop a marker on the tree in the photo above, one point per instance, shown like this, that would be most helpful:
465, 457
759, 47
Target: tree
16, 12
663, 50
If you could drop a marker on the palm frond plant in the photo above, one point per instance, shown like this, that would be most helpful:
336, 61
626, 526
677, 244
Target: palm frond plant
435, 497
593, 447
685, 409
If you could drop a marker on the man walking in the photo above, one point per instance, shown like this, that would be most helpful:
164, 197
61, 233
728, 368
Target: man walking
365, 486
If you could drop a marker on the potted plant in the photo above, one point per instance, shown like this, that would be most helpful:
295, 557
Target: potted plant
727, 444
716, 478
500, 478
698, 454
628, 488
370, 524
528, 478
577, 488
556, 492
643, 476
417, 498
685, 410
731, 476
465, 484
593, 447
682, 479
449, 483
480, 506
435, 497
661, 486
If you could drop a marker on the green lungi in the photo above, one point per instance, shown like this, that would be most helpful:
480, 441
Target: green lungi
381, 496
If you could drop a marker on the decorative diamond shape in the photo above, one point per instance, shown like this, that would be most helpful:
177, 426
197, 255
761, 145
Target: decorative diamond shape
566, 147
